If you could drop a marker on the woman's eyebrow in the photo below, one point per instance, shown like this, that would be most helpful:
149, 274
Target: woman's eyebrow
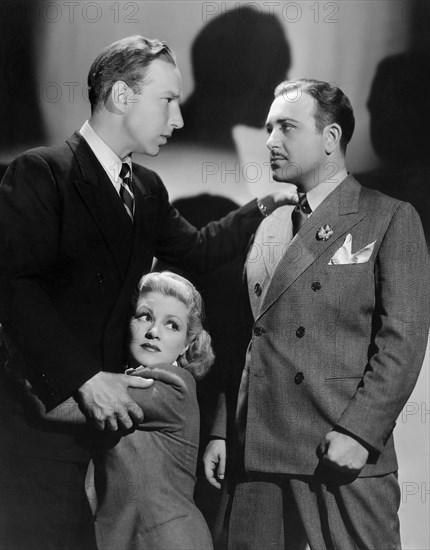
143, 307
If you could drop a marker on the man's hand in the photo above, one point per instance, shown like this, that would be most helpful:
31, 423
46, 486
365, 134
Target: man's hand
287, 195
106, 402
343, 453
214, 461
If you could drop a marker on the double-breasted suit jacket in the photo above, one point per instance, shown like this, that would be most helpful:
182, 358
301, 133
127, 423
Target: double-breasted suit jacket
71, 259
334, 345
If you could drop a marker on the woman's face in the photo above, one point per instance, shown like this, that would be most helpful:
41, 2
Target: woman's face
158, 329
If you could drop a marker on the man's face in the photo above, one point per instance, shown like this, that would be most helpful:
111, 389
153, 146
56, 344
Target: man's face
297, 151
154, 113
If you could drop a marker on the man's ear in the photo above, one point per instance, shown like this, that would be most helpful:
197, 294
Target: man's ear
332, 134
120, 95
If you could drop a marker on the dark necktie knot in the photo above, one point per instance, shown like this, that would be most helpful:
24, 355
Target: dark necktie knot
303, 204
125, 173
300, 213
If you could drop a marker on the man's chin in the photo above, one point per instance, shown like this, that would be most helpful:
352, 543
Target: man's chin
282, 177
149, 151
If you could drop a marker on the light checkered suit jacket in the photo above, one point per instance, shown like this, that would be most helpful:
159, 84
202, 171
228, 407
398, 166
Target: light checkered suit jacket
333, 345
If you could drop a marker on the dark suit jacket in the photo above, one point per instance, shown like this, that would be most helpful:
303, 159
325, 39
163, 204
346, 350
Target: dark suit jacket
71, 259
336, 345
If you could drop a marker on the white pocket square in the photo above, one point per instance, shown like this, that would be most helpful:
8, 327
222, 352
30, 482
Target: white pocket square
344, 255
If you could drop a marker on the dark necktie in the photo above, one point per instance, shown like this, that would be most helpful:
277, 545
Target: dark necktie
125, 191
300, 213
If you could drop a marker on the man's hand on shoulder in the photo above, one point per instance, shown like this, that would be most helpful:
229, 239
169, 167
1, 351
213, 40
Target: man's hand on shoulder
106, 402
343, 453
287, 195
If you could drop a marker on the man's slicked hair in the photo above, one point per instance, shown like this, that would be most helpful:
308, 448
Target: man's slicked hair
128, 60
331, 104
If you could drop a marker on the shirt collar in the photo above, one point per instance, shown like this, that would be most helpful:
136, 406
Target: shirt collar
321, 191
105, 155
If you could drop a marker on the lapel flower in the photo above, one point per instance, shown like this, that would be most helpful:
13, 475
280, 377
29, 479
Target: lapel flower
324, 233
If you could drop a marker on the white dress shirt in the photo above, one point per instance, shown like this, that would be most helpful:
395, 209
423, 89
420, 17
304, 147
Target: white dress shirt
108, 159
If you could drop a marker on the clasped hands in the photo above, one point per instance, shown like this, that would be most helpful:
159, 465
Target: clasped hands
106, 403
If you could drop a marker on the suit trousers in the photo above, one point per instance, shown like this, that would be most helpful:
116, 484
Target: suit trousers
276, 512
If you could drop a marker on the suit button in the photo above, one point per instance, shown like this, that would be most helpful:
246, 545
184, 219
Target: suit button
258, 331
300, 332
257, 289
298, 379
100, 278
316, 286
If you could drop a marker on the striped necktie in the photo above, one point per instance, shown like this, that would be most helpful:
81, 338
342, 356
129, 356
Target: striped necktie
300, 213
125, 191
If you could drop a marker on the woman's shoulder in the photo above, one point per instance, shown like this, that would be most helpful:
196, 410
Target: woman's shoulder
166, 373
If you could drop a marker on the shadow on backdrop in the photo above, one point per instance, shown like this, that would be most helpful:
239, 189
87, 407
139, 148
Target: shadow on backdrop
237, 60
22, 124
399, 107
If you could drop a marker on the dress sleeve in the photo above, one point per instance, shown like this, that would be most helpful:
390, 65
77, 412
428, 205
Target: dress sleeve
168, 401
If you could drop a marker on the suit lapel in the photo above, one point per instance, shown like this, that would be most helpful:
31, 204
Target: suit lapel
103, 203
340, 211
